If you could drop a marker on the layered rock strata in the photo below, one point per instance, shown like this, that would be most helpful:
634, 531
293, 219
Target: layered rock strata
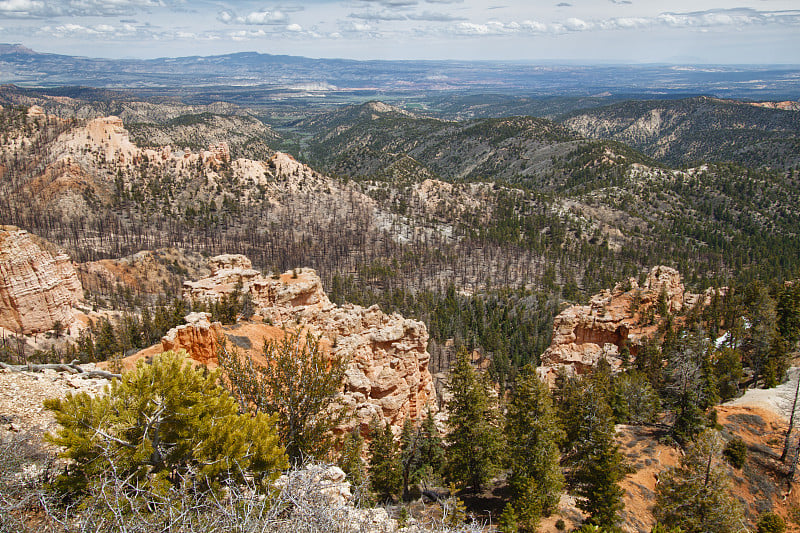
199, 337
625, 316
387, 372
38, 286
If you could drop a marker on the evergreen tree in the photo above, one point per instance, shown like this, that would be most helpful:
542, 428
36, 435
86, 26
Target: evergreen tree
385, 469
788, 309
728, 372
533, 436
763, 346
695, 496
649, 362
298, 382
410, 454
633, 399
597, 466
105, 344
474, 440
431, 449
689, 384
159, 422
350, 458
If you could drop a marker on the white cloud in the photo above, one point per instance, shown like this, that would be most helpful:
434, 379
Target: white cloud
70, 29
434, 16
264, 17
225, 16
294, 28
489, 28
729, 17
576, 24
533, 26
377, 15
391, 4
701, 21
97, 8
23, 8
245, 35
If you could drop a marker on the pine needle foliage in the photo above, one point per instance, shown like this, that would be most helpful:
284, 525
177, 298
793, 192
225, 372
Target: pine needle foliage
695, 496
596, 464
474, 440
350, 458
534, 436
385, 467
160, 423
299, 383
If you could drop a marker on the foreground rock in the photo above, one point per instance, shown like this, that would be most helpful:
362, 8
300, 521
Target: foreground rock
38, 285
22, 394
387, 373
615, 320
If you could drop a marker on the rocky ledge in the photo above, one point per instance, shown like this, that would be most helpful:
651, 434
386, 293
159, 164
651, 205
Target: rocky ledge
387, 375
626, 316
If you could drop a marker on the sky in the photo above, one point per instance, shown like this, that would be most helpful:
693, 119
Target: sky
583, 31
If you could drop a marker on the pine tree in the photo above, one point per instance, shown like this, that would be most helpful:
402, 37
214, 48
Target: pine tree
162, 421
298, 382
533, 436
410, 456
695, 496
350, 458
597, 466
763, 346
474, 440
689, 384
385, 469
431, 449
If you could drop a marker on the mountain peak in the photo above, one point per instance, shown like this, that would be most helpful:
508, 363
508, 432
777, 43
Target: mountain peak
6, 48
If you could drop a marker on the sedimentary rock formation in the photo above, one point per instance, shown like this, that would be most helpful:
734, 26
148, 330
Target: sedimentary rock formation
387, 372
38, 286
625, 316
199, 337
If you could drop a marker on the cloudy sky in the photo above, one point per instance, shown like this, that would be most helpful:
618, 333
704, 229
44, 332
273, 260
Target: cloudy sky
634, 31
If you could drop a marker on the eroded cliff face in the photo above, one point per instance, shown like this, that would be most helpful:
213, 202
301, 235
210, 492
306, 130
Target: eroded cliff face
387, 373
199, 337
626, 316
38, 285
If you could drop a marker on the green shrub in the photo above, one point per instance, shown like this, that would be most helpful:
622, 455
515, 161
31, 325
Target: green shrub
770, 523
735, 452
159, 424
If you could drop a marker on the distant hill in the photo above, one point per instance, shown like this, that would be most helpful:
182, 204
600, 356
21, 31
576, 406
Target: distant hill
683, 132
370, 139
252, 76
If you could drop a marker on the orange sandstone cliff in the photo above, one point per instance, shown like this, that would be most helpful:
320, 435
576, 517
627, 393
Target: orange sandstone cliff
38, 285
625, 316
387, 373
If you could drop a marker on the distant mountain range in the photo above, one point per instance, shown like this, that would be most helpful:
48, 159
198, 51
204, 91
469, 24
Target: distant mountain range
270, 76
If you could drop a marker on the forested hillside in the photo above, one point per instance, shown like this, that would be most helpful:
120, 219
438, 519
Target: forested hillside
700, 129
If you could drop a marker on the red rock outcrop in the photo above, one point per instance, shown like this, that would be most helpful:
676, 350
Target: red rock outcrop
626, 315
199, 337
38, 286
387, 371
